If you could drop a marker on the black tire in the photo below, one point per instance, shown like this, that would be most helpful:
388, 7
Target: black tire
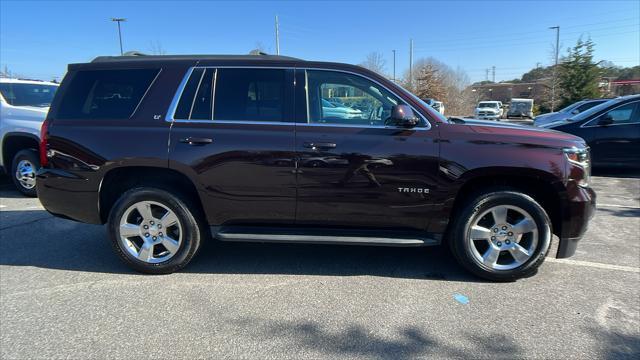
31, 157
194, 229
475, 207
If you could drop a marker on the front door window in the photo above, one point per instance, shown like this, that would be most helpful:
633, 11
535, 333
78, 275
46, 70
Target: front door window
346, 99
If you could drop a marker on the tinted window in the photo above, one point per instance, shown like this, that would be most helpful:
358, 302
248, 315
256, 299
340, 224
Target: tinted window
105, 94
186, 99
623, 114
587, 113
201, 109
20, 94
250, 95
341, 98
588, 105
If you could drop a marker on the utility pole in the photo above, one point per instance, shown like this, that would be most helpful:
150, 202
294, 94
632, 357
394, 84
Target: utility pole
411, 64
394, 65
277, 37
486, 75
555, 68
119, 20
493, 69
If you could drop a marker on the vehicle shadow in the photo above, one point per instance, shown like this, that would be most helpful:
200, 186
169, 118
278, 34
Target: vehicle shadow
35, 238
356, 340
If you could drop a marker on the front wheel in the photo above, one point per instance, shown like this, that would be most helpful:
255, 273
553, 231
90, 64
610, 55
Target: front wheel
501, 235
154, 231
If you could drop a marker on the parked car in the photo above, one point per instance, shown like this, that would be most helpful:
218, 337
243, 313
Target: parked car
489, 110
171, 150
438, 106
567, 112
23, 107
611, 129
522, 108
333, 111
435, 104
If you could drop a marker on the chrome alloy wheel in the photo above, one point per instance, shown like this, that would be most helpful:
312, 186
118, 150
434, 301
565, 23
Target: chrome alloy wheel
150, 232
26, 174
503, 237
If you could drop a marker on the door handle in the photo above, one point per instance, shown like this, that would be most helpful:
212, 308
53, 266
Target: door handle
320, 145
196, 141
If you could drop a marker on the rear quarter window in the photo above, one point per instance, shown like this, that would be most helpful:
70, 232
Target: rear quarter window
105, 94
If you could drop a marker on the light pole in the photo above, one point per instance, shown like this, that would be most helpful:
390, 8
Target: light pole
119, 20
277, 36
555, 68
411, 64
394, 65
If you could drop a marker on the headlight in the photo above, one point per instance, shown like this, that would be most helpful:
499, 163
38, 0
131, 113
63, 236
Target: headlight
579, 162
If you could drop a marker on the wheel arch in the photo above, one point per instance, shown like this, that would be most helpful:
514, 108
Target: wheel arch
544, 187
118, 180
13, 142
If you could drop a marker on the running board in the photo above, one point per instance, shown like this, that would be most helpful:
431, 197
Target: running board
322, 236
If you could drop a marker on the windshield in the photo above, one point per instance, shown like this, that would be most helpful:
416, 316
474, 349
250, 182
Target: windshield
570, 107
489, 105
587, 113
18, 94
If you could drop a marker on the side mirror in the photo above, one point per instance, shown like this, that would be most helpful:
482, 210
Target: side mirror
403, 116
575, 111
605, 120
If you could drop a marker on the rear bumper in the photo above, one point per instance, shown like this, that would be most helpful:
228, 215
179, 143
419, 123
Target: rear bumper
63, 194
578, 210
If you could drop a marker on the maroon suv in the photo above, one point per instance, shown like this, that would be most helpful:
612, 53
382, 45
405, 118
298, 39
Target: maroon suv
171, 151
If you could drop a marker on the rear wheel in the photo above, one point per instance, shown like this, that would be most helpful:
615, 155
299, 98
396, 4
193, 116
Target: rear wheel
23, 169
154, 231
501, 235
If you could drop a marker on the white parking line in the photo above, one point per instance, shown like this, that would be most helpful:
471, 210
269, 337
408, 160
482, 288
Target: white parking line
594, 265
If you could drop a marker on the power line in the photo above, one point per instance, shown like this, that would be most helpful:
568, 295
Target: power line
507, 40
519, 43
534, 32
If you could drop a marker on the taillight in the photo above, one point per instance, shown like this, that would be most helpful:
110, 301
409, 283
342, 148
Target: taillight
43, 143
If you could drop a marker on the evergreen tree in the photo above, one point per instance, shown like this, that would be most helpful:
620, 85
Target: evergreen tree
579, 74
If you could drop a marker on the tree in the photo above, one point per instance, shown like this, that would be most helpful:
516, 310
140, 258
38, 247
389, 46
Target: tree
537, 73
375, 62
156, 48
579, 74
429, 83
435, 79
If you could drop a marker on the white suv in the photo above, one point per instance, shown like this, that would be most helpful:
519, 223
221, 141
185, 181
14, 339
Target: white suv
23, 107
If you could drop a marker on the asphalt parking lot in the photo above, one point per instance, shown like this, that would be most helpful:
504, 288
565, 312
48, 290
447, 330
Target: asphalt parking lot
64, 294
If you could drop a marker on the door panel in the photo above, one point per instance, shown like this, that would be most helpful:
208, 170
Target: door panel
243, 161
619, 142
372, 177
354, 168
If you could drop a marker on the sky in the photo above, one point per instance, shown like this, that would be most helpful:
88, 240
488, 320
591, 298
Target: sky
38, 39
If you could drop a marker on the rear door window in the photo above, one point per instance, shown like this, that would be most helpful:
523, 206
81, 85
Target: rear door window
250, 95
105, 94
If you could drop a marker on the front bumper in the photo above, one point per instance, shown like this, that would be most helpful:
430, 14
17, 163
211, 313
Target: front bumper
580, 207
488, 117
